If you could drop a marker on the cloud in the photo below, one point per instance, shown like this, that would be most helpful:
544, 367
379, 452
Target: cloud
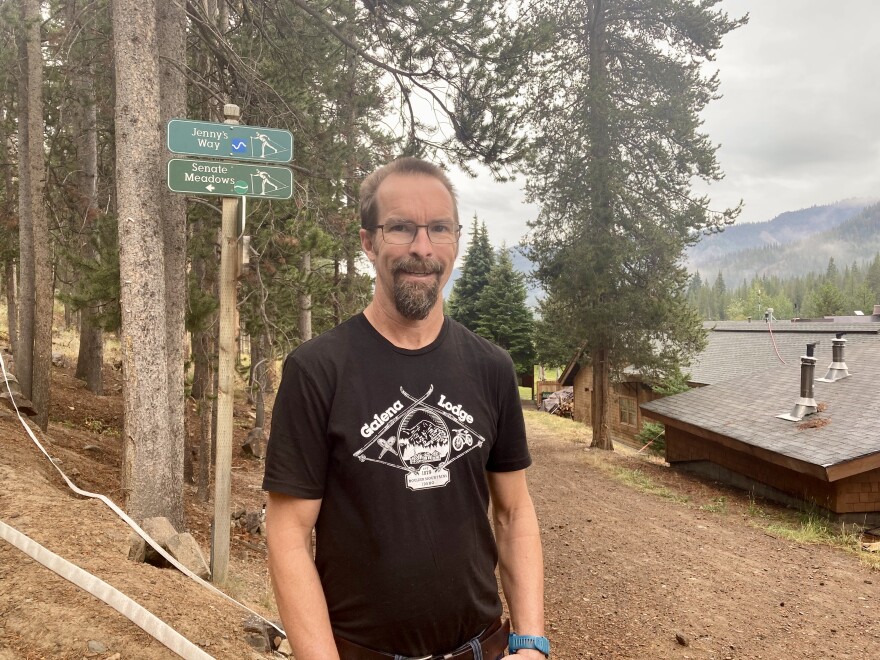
799, 121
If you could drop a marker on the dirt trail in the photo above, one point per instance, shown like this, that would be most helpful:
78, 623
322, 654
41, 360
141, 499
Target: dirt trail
626, 570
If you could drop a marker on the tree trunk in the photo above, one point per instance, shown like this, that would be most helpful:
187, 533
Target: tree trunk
599, 400
258, 378
24, 370
204, 271
171, 30
151, 481
90, 360
9, 225
43, 284
11, 310
599, 179
305, 299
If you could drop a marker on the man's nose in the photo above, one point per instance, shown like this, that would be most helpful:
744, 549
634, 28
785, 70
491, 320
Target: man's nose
421, 244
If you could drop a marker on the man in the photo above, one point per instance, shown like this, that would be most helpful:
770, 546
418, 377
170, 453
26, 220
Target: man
389, 435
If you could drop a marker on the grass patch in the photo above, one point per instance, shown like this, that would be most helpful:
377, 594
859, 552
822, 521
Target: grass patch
812, 527
638, 480
718, 505
561, 427
525, 393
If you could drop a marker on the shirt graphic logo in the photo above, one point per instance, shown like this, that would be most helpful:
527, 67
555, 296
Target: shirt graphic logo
420, 436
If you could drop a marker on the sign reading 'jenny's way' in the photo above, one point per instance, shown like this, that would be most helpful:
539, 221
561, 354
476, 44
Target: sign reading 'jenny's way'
233, 141
212, 177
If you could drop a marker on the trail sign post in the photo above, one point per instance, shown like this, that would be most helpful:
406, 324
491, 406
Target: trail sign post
235, 183
214, 177
206, 138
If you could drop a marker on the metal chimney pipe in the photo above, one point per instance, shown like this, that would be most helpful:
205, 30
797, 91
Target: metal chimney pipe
837, 370
806, 404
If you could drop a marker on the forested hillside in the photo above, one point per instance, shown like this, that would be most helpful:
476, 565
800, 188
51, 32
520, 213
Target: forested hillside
845, 235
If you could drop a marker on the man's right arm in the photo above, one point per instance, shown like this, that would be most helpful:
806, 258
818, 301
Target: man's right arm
298, 592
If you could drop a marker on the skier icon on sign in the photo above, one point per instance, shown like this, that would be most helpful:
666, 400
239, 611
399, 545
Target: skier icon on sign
265, 180
266, 144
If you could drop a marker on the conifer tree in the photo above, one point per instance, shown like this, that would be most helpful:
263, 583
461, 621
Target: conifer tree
503, 316
872, 278
826, 300
618, 109
478, 262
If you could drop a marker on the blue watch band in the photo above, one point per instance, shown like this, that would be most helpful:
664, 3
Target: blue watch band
516, 642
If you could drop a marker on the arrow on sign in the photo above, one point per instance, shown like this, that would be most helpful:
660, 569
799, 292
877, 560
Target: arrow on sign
209, 188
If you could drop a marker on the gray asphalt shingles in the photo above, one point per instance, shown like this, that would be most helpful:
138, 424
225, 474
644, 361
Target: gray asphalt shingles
738, 348
745, 407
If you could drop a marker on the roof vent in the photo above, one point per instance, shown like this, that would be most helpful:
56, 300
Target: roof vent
837, 370
806, 405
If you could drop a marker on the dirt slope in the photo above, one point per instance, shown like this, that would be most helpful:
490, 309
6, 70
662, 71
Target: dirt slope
627, 570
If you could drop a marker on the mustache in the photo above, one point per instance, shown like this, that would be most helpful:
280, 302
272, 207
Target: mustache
417, 266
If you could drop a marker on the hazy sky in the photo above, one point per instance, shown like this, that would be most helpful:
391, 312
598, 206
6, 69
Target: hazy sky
798, 124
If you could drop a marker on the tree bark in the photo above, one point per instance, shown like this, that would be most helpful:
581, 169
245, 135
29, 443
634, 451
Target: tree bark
10, 275
11, 309
90, 359
43, 284
600, 206
151, 480
600, 398
258, 371
171, 29
24, 357
305, 299
204, 271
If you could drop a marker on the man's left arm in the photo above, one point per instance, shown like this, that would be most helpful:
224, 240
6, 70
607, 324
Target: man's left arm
520, 560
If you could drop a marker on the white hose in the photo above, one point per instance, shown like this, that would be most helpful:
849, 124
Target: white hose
131, 523
128, 608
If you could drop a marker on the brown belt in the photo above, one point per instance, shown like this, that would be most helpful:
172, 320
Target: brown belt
493, 641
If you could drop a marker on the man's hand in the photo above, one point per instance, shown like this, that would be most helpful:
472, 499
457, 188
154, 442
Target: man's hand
528, 654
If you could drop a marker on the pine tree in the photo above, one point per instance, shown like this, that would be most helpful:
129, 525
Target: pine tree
826, 300
719, 297
478, 261
503, 316
618, 109
872, 277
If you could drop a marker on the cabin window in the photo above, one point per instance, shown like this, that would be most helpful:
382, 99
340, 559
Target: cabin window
628, 412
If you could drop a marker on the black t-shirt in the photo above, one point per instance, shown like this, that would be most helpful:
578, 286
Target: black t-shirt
397, 443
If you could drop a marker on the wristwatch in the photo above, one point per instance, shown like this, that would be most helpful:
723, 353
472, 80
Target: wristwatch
516, 642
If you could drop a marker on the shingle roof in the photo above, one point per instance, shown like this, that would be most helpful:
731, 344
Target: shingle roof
745, 407
737, 348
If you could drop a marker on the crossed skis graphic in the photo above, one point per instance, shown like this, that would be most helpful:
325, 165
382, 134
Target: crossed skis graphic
388, 445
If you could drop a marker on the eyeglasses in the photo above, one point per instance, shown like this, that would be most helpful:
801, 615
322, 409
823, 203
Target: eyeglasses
404, 233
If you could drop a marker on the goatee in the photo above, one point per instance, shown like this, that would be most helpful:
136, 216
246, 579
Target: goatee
415, 300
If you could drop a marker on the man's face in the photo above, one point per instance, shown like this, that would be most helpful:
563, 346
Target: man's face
411, 276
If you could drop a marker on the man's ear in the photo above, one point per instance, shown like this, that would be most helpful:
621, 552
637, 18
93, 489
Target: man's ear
367, 244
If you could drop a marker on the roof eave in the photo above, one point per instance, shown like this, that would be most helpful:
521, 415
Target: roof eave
797, 465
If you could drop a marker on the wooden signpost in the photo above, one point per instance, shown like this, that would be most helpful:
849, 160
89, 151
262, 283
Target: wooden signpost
234, 182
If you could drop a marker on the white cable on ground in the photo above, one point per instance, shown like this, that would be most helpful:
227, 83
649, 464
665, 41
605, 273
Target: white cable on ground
128, 608
131, 523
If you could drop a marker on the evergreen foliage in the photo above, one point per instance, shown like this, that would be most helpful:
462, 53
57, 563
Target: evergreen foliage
504, 318
478, 261
814, 295
619, 145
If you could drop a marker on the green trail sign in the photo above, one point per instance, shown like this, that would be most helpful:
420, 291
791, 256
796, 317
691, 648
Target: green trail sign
206, 138
212, 177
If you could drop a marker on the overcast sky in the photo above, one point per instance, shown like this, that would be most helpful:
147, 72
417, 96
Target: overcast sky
798, 124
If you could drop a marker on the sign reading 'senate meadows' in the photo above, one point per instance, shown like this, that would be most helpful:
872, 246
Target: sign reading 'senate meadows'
214, 177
